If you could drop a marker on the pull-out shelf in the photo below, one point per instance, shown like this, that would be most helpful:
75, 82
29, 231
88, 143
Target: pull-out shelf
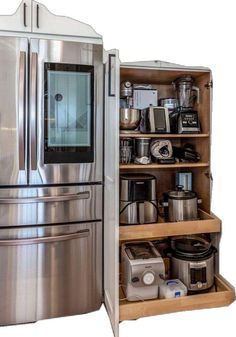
208, 223
221, 294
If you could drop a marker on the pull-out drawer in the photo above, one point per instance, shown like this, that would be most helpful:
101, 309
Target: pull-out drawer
50, 205
50, 271
221, 294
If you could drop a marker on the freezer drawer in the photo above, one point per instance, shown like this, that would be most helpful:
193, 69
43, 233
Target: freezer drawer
50, 205
50, 271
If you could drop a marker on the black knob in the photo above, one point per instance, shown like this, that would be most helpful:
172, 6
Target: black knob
135, 279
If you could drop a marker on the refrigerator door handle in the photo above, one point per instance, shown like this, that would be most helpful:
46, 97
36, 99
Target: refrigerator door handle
46, 239
33, 111
21, 109
37, 16
24, 15
53, 198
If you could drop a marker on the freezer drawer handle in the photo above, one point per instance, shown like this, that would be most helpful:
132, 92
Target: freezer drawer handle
53, 198
46, 239
33, 111
21, 110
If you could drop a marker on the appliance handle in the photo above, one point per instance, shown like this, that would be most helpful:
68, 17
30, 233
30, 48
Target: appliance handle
37, 16
33, 111
55, 198
21, 110
198, 93
111, 75
24, 14
46, 239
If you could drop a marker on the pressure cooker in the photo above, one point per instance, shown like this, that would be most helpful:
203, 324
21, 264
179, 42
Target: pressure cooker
181, 205
192, 261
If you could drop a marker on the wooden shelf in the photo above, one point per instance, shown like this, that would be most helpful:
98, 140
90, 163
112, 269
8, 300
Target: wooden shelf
222, 294
161, 135
161, 166
207, 224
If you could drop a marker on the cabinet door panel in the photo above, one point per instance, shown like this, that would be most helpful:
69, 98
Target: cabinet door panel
111, 190
20, 21
44, 22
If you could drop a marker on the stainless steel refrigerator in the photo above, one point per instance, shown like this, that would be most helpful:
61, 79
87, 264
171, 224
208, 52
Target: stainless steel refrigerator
51, 173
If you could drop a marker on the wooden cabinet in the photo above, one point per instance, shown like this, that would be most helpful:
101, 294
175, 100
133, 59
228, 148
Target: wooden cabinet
161, 76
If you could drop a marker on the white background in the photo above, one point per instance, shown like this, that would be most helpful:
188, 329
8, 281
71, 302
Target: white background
189, 33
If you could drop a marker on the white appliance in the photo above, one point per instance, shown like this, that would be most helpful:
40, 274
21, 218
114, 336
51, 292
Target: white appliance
172, 289
142, 270
142, 98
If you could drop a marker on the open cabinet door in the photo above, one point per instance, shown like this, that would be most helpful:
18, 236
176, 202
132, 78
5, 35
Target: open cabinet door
111, 189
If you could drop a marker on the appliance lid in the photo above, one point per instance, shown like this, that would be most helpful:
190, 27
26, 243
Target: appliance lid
181, 80
181, 194
137, 176
193, 248
140, 251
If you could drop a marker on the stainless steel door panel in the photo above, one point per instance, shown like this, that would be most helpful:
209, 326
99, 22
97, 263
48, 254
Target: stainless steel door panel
18, 286
49, 205
13, 110
70, 274
63, 52
50, 271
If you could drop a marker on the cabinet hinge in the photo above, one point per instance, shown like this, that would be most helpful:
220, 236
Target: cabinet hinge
209, 84
209, 175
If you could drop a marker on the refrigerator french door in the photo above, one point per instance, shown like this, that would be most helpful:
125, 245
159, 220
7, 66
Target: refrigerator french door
51, 122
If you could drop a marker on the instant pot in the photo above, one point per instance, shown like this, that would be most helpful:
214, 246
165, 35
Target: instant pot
192, 261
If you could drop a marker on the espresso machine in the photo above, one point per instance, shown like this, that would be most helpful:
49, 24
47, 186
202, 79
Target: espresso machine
184, 119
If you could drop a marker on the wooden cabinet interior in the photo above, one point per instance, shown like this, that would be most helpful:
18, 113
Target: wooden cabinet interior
223, 294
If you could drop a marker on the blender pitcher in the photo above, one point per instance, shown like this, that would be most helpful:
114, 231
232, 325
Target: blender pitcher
184, 90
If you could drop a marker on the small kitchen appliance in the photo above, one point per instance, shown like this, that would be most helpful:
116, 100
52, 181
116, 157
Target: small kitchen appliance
184, 91
184, 119
126, 150
158, 119
193, 262
162, 151
188, 122
172, 289
129, 119
182, 205
170, 103
185, 179
138, 201
144, 96
142, 151
126, 89
142, 270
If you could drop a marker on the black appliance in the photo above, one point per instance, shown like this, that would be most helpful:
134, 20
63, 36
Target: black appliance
138, 202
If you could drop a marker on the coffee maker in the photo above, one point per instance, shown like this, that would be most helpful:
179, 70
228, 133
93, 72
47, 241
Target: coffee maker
184, 119
138, 202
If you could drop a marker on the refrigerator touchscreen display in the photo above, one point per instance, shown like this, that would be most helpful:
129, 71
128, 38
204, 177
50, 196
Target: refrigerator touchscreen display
68, 113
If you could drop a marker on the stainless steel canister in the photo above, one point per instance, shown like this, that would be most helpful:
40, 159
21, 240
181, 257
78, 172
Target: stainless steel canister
142, 147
